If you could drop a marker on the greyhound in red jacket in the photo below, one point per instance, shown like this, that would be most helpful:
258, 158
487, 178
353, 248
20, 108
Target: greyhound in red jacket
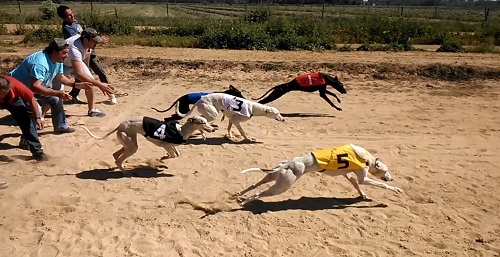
311, 82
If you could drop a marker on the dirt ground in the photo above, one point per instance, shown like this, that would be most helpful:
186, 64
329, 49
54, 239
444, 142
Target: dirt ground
440, 139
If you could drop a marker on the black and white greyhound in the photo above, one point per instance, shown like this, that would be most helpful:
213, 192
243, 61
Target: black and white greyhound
310, 82
184, 102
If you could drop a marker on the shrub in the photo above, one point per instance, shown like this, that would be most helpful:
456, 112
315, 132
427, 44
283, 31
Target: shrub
257, 16
3, 29
451, 48
43, 34
48, 9
365, 47
346, 48
109, 25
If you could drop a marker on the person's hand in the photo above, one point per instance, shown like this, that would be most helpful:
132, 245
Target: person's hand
83, 85
65, 96
105, 39
39, 123
106, 88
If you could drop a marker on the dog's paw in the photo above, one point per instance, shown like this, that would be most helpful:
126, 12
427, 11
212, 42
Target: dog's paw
229, 137
235, 196
165, 157
251, 139
397, 190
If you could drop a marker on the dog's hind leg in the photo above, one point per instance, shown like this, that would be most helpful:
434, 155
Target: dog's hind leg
117, 154
278, 92
268, 178
355, 184
283, 182
130, 147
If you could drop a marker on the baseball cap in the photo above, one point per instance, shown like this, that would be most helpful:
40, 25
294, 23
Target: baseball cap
57, 44
91, 34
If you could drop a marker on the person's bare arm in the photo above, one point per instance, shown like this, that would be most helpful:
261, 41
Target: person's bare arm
38, 88
66, 81
79, 67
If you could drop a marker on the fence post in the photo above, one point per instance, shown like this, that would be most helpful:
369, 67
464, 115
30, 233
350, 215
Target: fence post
91, 7
486, 13
19, 5
167, 9
323, 11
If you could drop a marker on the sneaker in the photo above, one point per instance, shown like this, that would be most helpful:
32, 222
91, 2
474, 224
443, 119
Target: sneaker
3, 185
40, 157
96, 113
23, 144
112, 99
66, 131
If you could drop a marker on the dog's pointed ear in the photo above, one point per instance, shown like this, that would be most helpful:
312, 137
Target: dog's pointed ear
231, 87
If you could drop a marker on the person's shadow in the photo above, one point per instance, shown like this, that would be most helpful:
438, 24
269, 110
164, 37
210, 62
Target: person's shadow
109, 173
5, 146
306, 203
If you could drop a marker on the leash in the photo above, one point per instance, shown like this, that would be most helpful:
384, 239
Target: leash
118, 94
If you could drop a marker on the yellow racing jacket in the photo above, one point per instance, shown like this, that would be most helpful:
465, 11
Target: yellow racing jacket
339, 158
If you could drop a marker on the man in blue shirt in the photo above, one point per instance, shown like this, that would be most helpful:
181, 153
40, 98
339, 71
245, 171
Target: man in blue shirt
71, 27
38, 70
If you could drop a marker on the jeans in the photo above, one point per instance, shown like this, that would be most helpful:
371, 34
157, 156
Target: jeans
23, 117
56, 109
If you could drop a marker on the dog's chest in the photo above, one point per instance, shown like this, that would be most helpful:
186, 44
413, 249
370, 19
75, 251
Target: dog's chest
164, 131
237, 105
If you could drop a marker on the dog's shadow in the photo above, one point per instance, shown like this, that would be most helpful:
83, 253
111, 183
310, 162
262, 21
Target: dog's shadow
306, 203
217, 141
306, 115
109, 173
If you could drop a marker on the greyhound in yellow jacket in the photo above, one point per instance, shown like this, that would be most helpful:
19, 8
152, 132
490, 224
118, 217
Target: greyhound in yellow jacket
341, 160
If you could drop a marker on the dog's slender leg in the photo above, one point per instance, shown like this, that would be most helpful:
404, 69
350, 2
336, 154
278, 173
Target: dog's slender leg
277, 92
242, 132
283, 182
130, 145
118, 153
332, 94
229, 133
268, 178
322, 93
365, 180
355, 184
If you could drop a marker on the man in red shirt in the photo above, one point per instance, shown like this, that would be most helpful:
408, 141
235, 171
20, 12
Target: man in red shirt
14, 96
311, 82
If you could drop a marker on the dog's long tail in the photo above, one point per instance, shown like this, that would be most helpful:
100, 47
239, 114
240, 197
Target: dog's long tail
96, 137
259, 169
182, 115
176, 101
265, 93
